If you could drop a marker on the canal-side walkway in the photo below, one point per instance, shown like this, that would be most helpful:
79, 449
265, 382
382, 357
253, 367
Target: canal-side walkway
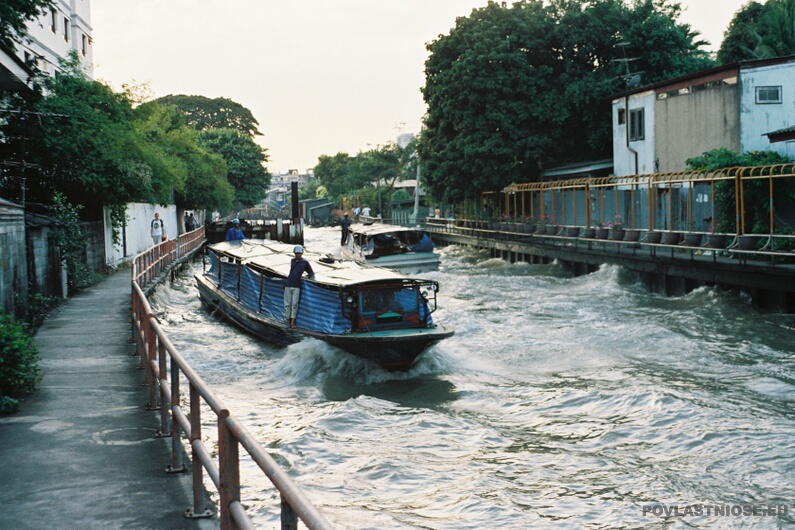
82, 453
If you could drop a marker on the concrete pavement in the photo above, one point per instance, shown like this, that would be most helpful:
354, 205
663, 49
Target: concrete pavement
82, 451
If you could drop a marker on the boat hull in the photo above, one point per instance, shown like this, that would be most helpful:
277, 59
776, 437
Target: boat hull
391, 349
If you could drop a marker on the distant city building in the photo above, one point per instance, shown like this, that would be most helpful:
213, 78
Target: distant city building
284, 180
63, 28
404, 139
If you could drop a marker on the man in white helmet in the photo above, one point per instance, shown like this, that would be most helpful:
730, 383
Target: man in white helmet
292, 285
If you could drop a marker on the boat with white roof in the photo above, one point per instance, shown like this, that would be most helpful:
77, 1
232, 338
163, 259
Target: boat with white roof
374, 313
408, 250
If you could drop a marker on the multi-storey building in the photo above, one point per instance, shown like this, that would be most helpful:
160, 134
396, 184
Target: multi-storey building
748, 106
50, 38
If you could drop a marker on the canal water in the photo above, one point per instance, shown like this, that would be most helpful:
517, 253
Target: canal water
560, 402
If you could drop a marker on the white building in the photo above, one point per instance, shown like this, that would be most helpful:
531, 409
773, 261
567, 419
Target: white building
404, 139
747, 106
50, 38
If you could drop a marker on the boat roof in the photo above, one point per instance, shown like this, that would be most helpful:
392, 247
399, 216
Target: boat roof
371, 230
275, 256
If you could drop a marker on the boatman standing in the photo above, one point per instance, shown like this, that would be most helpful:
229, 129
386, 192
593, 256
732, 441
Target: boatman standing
235, 233
346, 227
292, 285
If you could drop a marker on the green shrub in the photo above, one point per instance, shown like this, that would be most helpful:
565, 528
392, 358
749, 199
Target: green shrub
37, 308
19, 364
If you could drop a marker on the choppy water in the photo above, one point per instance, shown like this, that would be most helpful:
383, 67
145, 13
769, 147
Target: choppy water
561, 402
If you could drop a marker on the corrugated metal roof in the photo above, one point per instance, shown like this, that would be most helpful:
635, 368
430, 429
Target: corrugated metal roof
786, 130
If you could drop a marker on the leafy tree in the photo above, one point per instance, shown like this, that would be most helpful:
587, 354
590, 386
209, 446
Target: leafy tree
228, 128
514, 89
755, 192
13, 16
244, 160
204, 113
760, 31
338, 174
312, 190
67, 235
97, 149
204, 173
742, 36
80, 135
778, 21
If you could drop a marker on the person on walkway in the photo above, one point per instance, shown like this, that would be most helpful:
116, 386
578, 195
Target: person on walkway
366, 211
192, 223
235, 233
346, 228
292, 285
157, 230
186, 221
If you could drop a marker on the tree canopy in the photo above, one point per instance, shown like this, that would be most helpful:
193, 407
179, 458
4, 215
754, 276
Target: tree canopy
760, 31
227, 128
89, 143
370, 175
244, 160
13, 16
512, 90
204, 113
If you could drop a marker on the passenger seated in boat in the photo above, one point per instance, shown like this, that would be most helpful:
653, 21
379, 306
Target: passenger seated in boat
424, 245
386, 244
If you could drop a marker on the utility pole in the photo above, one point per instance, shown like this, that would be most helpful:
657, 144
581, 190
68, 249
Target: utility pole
417, 194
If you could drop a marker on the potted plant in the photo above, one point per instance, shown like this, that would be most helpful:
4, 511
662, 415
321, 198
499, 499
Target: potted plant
717, 241
748, 242
672, 238
602, 232
653, 237
616, 228
693, 239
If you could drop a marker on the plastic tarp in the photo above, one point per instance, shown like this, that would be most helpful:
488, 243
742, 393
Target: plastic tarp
212, 272
321, 310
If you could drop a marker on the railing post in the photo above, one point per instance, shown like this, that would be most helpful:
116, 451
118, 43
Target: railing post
177, 466
289, 517
196, 436
151, 355
162, 382
229, 470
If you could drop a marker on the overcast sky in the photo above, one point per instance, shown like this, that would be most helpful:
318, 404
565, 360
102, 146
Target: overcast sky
320, 76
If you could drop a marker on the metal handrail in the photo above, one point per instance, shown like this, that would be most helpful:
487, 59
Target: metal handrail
156, 350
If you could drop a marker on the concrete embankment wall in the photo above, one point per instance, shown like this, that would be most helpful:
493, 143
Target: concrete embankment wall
670, 271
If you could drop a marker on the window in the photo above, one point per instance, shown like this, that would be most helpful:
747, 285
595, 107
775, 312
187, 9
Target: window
636, 124
54, 21
768, 94
84, 45
622, 116
66, 29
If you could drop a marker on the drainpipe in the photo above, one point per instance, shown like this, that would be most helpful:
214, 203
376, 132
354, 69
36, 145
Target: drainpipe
627, 122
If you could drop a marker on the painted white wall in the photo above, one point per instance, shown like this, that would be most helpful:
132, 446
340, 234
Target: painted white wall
137, 230
623, 156
758, 119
